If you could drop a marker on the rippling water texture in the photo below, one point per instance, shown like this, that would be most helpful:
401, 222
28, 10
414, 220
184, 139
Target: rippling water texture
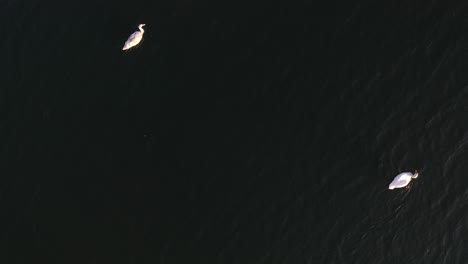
233, 134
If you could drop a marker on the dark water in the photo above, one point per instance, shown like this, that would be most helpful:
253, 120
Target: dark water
256, 133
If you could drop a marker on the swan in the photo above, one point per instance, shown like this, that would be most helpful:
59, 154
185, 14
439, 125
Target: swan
135, 38
402, 179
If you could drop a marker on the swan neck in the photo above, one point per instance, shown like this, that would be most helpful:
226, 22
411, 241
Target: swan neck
141, 29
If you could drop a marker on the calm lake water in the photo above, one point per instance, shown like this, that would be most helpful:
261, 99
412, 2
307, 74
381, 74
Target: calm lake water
257, 133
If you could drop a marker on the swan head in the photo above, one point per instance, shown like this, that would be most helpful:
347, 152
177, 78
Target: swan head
141, 25
415, 175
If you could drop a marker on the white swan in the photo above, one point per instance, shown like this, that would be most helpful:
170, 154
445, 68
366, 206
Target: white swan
135, 38
402, 179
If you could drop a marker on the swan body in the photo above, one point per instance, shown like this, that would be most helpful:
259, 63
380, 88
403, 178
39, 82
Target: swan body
135, 38
402, 179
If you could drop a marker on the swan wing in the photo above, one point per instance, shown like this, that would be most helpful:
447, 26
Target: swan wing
398, 183
133, 40
135, 34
